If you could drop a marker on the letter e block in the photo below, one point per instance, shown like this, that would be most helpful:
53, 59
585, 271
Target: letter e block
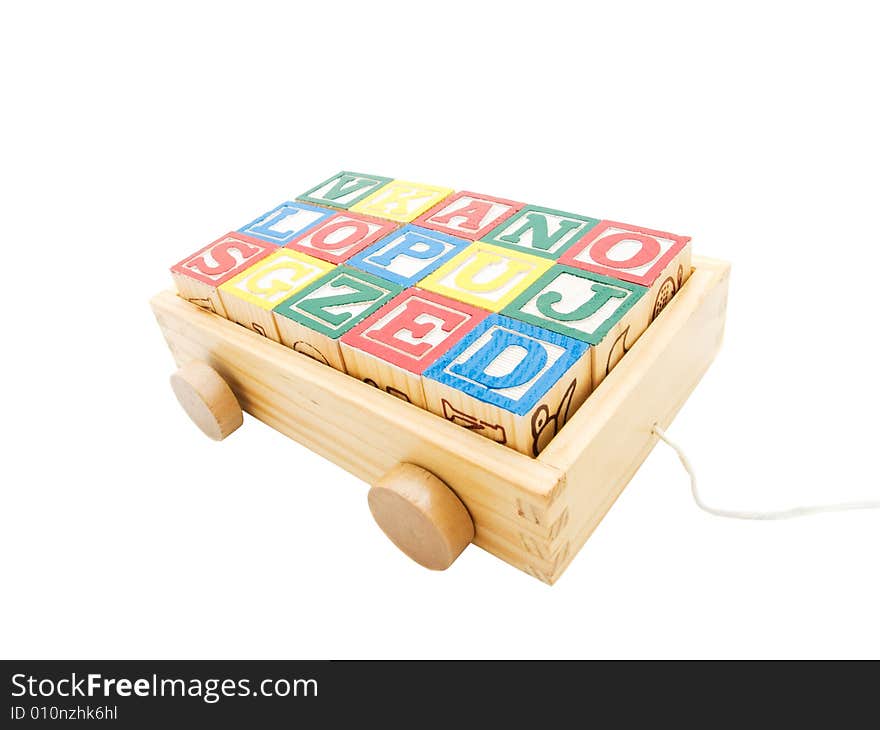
606, 313
486, 276
393, 347
468, 215
250, 297
660, 261
344, 189
341, 236
312, 320
284, 223
401, 201
198, 276
540, 231
510, 381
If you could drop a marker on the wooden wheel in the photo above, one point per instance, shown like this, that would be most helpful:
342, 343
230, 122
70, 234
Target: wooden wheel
207, 399
421, 515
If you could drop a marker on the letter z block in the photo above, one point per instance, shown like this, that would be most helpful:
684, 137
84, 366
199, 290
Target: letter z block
486, 276
468, 215
606, 313
312, 320
660, 261
250, 297
401, 201
341, 236
511, 382
285, 222
198, 276
393, 347
540, 231
344, 189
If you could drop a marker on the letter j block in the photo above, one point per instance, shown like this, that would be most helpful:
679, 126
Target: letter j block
510, 381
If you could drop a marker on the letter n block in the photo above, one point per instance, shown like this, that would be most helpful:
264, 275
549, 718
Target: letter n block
285, 222
250, 297
486, 276
660, 261
540, 231
198, 276
606, 313
401, 201
468, 215
393, 347
510, 381
312, 320
341, 236
344, 189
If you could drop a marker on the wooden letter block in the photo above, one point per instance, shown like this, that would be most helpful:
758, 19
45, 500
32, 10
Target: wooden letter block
198, 276
250, 297
512, 382
344, 189
609, 314
393, 347
284, 223
312, 320
540, 231
468, 215
401, 201
486, 276
408, 255
660, 261
341, 236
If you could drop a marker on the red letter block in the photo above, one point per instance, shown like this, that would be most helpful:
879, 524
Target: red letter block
341, 236
468, 215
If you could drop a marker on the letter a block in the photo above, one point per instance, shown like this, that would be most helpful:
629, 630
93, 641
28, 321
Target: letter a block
660, 261
468, 215
606, 313
393, 347
511, 382
540, 231
401, 201
344, 189
312, 320
486, 276
284, 223
408, 255
198, 276
250, 297
341, 236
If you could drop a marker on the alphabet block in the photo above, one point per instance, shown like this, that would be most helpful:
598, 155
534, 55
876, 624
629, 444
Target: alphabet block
341, 236
198, 276
408, 255
394, 346
344, 189
312, 320
609, 314
468, 215
540, 231
401, 201
486, 276
510, 381
250, 297
285, 222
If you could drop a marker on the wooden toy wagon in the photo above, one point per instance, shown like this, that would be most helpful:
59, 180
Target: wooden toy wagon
493, 369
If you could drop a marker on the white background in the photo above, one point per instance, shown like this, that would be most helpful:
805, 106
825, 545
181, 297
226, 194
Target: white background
131, 137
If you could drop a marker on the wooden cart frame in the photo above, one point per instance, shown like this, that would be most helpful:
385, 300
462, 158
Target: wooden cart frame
532, 513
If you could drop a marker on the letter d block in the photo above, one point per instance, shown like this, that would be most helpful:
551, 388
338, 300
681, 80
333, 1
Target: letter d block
512, 382
312, 320
606, 313
250, 297
393, 347
198, 276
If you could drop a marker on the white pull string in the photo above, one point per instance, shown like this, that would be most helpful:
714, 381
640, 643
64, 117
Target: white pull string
748, 515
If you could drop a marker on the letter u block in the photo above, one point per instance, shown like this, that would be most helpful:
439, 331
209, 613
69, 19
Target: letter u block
393, 347
250, 297
312, 320
198, 276
510, 381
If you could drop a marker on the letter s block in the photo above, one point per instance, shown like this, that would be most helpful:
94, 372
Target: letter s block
250, 297
393, 347
198, 276
510, 381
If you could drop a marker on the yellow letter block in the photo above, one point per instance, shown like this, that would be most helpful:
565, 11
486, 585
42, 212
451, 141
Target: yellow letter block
401, 201
250, 297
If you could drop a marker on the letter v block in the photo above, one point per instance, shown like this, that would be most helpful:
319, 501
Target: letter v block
468, 215
198, 276
401, 201
393, 347
250, 297
341, 236
540, 231
606, 313
344, 189
312, 320
510, 381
